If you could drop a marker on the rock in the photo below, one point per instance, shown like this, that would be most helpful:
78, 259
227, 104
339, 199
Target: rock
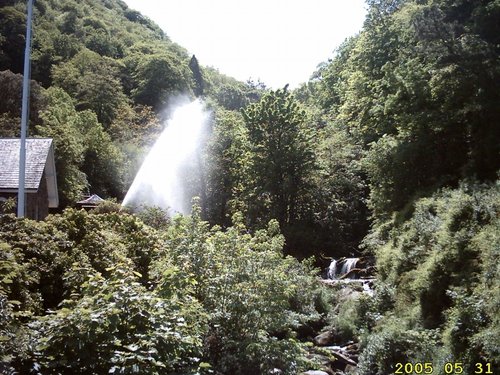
315, 372
343, 358
349, 369
324, 338
307, 331
351, 347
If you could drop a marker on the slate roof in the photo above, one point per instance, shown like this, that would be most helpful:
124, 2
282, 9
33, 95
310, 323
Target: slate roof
39, 156
37, 151
93, 200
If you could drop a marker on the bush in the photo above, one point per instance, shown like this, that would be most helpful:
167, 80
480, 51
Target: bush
44, 263
441, 265
34, 260
13, 337
250, 291
120, 327
96, 237
91, 292
396, 343
156, 217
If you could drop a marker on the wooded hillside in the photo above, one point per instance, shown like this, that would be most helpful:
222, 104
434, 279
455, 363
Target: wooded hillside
103, 75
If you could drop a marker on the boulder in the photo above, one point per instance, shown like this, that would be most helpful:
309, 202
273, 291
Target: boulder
350, 369
341, 361
315, 372
325, 338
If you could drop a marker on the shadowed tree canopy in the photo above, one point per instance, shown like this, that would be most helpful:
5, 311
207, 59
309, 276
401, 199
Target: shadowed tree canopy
10, 103
199, 85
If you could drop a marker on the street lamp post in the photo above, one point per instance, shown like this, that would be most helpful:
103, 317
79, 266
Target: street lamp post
24, 115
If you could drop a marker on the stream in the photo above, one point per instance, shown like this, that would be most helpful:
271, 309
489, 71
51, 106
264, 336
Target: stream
352, 277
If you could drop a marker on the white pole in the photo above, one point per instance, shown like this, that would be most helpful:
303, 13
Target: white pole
24, 115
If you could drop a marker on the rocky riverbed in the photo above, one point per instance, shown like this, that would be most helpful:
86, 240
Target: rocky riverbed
350, 281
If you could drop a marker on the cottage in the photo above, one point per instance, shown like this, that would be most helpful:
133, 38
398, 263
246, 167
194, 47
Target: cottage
40, 184
90, 202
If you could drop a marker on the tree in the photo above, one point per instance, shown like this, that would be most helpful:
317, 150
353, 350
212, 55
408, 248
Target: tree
13, 31
156, 78
245, 285
123, 328
103, 161
227, 163
153, 74
93, 81
338, 210
199, 84
138, 125
282, 156
59, 121
10, 103
231, 97
416, 89
134, 132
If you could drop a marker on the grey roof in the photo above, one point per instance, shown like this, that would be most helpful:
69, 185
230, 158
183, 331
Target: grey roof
39, 156
94, 199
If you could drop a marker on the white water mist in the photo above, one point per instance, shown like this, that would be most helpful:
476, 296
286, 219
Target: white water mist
169, 171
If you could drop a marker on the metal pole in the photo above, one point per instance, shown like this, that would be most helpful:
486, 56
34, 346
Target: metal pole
24, 115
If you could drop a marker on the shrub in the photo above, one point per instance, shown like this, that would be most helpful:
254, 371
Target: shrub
250, 291
13, 336
105, 293
120, 327
96, 237
43, 263
36, 256
394, 343
156, 217
442, 266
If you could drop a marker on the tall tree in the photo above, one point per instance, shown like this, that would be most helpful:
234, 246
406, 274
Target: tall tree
12, 38
103, 162
227, 162
282, 156
199, 84
10, 103
59, 121
156, 76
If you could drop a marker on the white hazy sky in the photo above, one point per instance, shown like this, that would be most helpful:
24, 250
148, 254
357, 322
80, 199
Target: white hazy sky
276, 41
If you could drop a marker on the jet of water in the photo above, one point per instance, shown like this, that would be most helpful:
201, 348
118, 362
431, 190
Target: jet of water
172, 166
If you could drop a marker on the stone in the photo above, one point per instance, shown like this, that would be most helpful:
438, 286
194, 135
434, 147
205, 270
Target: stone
315, 372
324, 338
350, 369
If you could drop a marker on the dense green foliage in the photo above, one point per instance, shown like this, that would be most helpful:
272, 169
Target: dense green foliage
270, 162
414, 93
104, 293
437, 295
282, 156
417, 90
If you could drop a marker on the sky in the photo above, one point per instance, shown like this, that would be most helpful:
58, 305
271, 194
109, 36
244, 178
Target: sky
275, 41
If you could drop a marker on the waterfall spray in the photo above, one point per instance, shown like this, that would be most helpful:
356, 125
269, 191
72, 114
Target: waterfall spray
171, 168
